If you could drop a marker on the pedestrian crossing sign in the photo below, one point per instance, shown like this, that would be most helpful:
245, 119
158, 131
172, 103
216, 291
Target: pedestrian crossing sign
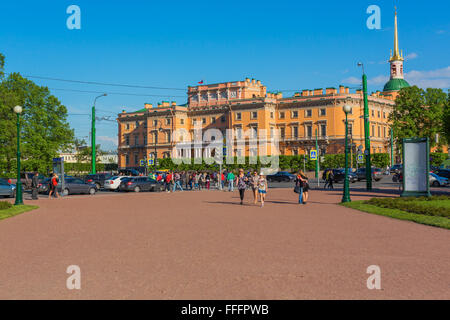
150, 162
313, 154
360, 158
142, 163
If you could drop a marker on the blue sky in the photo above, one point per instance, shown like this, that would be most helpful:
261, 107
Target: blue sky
288, 45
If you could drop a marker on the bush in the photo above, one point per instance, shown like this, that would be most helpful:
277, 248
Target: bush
5, 205
414, 205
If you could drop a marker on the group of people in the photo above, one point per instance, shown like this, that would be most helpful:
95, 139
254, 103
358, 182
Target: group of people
182, 180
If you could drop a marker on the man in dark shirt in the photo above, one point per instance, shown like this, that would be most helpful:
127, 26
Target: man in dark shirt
34, 186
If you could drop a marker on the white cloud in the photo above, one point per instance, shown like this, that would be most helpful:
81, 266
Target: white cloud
108, 140
378, 80
374, 81
352, 80
439, 78
411, 56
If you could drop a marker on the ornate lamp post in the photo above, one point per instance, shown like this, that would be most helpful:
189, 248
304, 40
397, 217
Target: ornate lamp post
346, 196
19, 196
366, 131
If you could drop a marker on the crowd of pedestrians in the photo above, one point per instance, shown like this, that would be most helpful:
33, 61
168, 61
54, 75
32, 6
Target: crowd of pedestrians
227, 181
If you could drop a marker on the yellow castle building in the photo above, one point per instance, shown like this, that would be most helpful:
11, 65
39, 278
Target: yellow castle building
248, 109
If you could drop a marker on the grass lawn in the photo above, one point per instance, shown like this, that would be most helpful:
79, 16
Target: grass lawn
431, 220
15, 210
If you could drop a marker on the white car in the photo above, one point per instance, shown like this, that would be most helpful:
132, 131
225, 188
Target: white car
114, 183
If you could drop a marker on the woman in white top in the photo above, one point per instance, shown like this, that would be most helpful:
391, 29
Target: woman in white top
262, 188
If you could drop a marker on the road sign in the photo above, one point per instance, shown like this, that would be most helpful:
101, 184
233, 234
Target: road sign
366, 152
150, 162
313, 154
224, 151
360, 158
142, 163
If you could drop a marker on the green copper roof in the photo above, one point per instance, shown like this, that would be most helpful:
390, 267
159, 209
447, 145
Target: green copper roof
395, 85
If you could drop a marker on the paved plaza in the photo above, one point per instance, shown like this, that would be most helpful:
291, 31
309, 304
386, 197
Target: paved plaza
204, 245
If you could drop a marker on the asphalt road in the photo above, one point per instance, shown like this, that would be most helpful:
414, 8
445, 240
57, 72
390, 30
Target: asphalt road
385, 184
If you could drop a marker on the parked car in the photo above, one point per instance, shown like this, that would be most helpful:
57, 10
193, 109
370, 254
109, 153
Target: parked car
71, 186
129, 172
443, 173
281, 176
437, 181
98, 178
339, 176
138, 184
7, 189
396, 168
114, 182
376, 174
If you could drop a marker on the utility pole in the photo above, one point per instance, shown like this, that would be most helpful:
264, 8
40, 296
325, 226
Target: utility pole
94, 152
317, 161
366, 132
392, 147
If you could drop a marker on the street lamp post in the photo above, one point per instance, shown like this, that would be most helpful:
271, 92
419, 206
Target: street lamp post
346, 196
19, 196
366, 131
156, 140
94, 152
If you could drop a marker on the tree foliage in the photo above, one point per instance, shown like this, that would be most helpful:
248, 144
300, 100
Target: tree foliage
44, 127
420, 113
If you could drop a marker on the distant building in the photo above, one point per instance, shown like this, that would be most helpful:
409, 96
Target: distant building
246, 106
71, 157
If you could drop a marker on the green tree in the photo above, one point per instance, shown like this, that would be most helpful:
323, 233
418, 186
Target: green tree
44, 127
419, 113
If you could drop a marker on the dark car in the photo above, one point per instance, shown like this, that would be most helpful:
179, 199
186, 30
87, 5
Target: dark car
396, 168
339, 176
376, 174
138, 184
71, 186
129, 172
98, 178
281, 176
445, 173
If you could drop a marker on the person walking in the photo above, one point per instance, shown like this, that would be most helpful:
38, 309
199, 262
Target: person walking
330, 179
53, 186
208, 180
168, 180
196, 178
230, 179
325, 178
34, 186
241, 183
254, 185
262, 188
177, 182
222, 180
301, 183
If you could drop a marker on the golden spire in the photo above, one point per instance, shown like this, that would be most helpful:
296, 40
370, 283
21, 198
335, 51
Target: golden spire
396, 55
